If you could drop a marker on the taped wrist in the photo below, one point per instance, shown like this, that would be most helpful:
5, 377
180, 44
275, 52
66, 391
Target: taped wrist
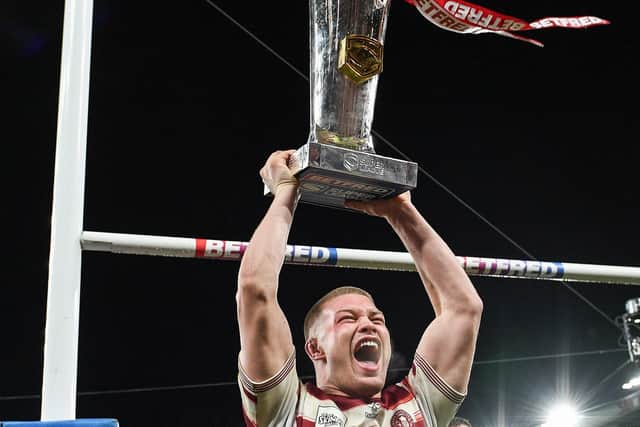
286, 183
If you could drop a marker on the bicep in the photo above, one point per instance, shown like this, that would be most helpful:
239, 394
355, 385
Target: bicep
265, 337
448, 344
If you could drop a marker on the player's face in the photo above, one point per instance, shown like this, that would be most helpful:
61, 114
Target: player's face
353, 334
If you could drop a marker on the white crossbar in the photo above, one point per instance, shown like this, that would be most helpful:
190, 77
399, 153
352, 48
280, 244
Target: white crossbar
184, 247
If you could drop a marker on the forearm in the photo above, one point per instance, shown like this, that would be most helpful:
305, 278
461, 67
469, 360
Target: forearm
446, 283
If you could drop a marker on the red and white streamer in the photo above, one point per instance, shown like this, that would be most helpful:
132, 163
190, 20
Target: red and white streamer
467, 18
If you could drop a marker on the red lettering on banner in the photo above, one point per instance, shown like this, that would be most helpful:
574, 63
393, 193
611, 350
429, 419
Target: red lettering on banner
439, 15
424, 6
224, 249
448, 22
460, 12
475, 16
214, 249
497, 24
573, 22
429, 10
486, 20
458, 26
451, 15
232, 250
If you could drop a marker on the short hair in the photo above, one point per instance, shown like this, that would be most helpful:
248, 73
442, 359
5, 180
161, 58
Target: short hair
316, 308
459, 421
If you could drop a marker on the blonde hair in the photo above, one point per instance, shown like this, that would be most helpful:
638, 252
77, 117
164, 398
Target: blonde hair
316, 308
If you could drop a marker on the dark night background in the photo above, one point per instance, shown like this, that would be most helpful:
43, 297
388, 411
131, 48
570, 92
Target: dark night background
184, 109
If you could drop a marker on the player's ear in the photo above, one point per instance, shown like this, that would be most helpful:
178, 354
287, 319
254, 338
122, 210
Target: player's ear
313, 350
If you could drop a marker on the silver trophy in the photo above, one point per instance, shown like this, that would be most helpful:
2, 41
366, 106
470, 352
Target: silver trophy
338, 161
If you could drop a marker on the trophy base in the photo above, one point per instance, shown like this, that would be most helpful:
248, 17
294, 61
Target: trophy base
329, 174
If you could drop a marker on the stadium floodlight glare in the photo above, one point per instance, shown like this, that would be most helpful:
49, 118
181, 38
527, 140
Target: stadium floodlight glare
561, 415
632, 383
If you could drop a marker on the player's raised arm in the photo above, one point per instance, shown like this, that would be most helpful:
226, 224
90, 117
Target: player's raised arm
265, 337
448, 343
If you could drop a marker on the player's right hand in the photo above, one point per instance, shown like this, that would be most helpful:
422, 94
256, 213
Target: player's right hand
276, 173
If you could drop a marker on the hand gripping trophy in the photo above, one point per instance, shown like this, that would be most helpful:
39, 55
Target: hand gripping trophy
338, 161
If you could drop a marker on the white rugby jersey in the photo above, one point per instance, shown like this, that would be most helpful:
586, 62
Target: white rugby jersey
421, 399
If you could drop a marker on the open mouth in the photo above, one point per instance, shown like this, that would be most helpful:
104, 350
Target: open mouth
367, 353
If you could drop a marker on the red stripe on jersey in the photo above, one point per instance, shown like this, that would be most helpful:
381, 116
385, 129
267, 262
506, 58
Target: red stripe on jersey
247, 421
444, 388
269, 384
273, 382
394, 396
303, 422
406, 384
247, 393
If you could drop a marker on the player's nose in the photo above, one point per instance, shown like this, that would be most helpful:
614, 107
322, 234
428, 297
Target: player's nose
365, 325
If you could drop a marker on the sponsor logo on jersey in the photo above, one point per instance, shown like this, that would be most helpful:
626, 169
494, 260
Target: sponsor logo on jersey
330, 416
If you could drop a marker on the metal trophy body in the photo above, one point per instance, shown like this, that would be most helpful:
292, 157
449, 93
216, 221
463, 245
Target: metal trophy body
339, 162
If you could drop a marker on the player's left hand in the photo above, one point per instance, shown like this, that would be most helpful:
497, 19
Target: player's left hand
381, 207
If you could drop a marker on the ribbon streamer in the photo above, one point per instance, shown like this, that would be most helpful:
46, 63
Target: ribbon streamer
464, 17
